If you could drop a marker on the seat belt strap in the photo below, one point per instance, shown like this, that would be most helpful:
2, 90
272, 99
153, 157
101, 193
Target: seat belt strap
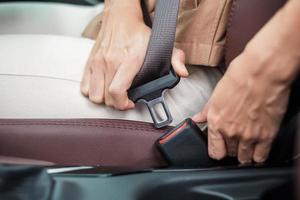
156, 74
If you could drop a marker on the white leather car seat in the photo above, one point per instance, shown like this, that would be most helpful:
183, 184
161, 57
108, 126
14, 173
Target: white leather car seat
42, 60
45, 18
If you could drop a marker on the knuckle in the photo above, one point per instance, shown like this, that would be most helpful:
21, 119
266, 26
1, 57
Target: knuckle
249, 138
230, 131
114, 91
96, 60
233, 129
215, 136
267, 137
244, 147
97, 65
133, 57
110, 58
212, 121
96, 99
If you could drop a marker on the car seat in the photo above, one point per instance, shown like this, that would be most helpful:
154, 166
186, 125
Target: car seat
119, 143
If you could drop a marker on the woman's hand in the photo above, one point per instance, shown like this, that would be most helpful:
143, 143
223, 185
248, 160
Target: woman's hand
248, 104
118, 55
244, 112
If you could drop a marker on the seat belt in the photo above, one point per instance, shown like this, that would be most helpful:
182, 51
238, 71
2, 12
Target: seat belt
156, 74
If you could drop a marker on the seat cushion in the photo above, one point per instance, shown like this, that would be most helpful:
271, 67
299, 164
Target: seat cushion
45, 18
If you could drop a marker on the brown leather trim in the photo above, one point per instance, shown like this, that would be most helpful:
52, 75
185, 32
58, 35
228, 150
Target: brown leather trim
246, 19
104, 142
22, 161
104, 123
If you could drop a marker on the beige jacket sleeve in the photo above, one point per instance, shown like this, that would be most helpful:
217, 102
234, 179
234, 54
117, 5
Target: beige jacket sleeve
201, 29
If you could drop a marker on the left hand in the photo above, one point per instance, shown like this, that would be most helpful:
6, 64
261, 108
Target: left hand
248, 104
246, 109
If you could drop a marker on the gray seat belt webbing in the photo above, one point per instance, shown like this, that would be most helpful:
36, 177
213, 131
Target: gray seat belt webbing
156, 74
158, 57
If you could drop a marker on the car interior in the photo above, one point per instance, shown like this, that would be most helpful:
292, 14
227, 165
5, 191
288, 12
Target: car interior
113, 159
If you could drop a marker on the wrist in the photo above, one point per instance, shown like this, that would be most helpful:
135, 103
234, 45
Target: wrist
123, 6
268, 64
129, 10
121, 2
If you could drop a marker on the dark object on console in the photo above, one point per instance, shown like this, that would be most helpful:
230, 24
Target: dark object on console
186, 146
24, 183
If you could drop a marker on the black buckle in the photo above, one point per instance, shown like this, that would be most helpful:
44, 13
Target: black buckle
152, 93
185, 146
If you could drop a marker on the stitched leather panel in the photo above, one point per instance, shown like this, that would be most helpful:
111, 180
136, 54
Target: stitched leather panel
101, 142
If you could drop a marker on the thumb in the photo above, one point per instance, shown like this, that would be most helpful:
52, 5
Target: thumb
201, 117
178, 60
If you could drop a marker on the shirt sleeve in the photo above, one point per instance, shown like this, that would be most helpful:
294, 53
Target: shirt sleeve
201, 30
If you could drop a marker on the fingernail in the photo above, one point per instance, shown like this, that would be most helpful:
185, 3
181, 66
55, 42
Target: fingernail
215, 156
245, 161
186, 72
259, 159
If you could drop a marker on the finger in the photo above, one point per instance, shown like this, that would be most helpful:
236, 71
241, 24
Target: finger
232, 147
216, 145
261, 151
109, 101
96, 93
178, 62
122, 82
245, 151
201, 116
85, 82
86, 79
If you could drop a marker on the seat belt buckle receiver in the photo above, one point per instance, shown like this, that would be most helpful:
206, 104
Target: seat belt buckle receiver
185, 146
152, 94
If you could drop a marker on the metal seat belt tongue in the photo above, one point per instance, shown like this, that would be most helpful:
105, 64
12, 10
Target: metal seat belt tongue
152, 94
157, 74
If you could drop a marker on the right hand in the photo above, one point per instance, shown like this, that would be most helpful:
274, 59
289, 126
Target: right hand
118, 55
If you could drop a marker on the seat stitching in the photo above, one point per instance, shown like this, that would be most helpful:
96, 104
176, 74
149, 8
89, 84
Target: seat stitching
103, 125
40, 76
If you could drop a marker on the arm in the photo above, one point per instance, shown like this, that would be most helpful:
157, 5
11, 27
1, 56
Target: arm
248, 104
279, 40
